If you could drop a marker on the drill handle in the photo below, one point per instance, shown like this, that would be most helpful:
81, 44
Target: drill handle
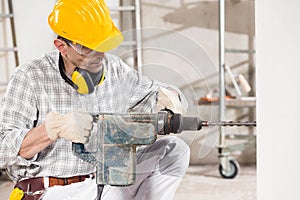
79, 151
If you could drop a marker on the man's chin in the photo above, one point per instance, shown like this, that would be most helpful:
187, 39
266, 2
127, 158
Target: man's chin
94, 68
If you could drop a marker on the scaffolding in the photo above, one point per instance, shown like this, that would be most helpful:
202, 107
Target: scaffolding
228, 167
129, 20
10, 16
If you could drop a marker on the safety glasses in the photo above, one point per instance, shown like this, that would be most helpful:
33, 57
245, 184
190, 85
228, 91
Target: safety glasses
82, 50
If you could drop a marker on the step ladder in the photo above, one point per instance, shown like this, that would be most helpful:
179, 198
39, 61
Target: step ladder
10, 15
130, 15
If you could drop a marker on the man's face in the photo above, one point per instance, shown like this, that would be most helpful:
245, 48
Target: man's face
85, 58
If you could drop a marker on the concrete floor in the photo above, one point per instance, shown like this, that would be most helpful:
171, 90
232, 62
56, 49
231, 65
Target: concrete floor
201, 182
205, 183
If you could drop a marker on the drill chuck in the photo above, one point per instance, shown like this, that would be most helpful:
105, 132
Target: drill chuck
176, 123
180, 123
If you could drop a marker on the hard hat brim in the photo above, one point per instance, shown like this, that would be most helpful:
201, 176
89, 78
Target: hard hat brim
111, 42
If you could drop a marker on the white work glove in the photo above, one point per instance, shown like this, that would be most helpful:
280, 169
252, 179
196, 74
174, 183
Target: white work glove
73, 126
168, 99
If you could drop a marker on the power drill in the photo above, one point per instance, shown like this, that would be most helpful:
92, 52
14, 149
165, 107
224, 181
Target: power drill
119, 134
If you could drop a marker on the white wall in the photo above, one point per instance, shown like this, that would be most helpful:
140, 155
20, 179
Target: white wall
278, 69
33, 33
34, 37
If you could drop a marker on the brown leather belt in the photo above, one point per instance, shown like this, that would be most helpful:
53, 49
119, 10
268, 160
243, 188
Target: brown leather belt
66, 181
32, 185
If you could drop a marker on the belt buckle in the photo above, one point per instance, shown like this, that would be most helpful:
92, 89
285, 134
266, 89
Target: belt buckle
66, 182
29, 193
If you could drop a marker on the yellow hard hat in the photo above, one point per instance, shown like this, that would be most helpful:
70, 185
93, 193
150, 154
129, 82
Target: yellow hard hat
86, 22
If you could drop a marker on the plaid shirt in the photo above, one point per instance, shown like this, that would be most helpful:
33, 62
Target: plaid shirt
38, 88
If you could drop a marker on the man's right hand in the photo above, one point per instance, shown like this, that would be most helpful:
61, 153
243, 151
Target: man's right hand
73, 126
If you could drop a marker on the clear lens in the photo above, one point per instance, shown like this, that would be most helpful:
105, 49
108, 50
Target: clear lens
82, 50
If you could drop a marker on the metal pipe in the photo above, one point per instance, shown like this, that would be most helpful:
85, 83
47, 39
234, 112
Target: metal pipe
128, 43
251, 80
6, 15
247, 51
138, 36
12, 24
122, 8
221, 69
8, 49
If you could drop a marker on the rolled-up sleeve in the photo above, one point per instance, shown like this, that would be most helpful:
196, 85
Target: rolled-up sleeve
18, 112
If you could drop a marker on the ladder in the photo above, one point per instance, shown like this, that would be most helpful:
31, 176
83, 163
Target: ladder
130, 15
10, 16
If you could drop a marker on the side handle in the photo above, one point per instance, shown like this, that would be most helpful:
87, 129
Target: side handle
79, 151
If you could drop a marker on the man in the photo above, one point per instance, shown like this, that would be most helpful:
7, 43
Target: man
48, 105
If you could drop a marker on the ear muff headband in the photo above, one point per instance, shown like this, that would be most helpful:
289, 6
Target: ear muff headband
103, 76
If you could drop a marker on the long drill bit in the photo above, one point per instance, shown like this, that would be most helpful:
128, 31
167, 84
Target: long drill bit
229, 123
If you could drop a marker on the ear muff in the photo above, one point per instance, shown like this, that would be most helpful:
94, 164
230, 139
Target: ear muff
83, 81
86, 81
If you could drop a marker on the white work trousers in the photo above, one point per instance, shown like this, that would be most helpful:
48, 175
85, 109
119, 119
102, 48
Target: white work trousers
160, 168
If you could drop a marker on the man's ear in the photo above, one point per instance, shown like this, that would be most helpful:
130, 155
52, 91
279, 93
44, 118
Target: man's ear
61, 46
